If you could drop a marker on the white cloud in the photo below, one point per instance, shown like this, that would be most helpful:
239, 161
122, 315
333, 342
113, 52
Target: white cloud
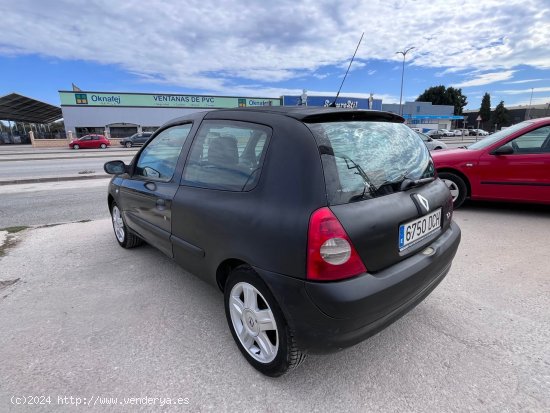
487, 78
522, 91
371, 72
215, 47
517, 82
545, 100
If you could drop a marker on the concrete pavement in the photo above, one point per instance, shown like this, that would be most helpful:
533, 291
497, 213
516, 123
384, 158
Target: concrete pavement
90, 320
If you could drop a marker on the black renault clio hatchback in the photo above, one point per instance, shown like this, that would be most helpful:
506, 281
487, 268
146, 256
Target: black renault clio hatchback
320, 225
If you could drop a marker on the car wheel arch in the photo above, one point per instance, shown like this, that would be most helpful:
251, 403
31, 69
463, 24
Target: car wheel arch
110, 201
461, 175
225, 268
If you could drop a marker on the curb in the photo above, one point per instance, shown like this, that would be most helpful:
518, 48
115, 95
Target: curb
52, 179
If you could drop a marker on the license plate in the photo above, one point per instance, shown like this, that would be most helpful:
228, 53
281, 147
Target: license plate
414, 231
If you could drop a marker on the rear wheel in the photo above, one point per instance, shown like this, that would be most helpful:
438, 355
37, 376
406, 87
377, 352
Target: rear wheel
128, 144
76, 146
124, 237
456, 185
258, 325
102, 146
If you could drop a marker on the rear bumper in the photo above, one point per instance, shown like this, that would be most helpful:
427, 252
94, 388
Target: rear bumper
327, 317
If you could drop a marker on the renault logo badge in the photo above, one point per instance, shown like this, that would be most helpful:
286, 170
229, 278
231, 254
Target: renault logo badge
424, 202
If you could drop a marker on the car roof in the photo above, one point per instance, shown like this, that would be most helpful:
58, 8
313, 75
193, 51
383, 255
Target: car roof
301, 113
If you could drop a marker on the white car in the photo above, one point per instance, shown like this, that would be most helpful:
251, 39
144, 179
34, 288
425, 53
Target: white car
432, 145
446, 132
479, 132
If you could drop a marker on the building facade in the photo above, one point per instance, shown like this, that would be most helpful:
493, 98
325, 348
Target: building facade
123, 114
426, 116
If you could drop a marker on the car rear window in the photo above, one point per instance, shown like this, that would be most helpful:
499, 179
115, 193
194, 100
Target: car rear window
366, 159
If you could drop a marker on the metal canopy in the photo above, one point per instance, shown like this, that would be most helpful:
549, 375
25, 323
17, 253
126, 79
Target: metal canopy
20, 108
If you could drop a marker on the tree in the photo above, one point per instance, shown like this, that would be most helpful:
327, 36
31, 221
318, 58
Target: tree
439, 95
485, 109
501, 116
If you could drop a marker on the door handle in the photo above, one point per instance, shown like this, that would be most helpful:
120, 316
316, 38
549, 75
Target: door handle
151, 186
161, 203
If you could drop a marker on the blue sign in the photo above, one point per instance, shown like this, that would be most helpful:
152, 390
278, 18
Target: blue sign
342, 102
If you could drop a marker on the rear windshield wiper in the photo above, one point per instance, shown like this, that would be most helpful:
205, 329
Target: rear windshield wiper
405, 182
410, 183
360, 171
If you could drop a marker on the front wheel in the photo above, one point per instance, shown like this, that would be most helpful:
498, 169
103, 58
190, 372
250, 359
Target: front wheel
456, 185
258, 325
124, 237
128, 144
76, 147
102, 146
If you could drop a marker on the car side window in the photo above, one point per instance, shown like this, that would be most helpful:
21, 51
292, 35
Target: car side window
158, 160
227, 155
535, 141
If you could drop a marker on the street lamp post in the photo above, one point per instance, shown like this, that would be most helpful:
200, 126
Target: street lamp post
404, 53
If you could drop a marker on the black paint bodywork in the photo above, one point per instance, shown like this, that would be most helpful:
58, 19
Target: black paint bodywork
266, 228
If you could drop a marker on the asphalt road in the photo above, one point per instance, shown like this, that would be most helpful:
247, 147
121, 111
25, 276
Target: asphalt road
44, 168
88, 319
53, 202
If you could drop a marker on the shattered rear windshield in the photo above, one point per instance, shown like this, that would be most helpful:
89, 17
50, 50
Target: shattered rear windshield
365, 159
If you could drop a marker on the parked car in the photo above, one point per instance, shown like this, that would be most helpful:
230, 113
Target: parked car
510, 165
90, 142
434, 134
137, 139
461, 132
432, 144
478, 132
321, 226
446, 132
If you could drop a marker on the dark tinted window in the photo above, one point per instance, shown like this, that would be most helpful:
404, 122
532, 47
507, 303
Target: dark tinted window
158, 160
226, 155
364, 159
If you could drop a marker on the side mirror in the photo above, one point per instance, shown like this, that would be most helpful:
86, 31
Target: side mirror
503, 150
115, 167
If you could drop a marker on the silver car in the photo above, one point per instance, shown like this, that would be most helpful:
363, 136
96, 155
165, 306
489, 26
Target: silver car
432, 144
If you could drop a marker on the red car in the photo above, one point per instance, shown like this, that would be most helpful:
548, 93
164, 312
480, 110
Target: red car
510, 165
90, 141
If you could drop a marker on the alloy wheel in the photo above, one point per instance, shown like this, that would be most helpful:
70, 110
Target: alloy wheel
453, 187
254, 322
118, 224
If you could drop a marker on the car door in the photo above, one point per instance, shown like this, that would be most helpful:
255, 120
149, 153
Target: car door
222, 169
141, 139
85, 141
95, 142
521, 175
146, 196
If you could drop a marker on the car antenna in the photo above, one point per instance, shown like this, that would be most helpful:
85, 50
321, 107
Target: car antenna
333, 104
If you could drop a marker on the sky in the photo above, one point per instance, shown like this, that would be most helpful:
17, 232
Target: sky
273, 48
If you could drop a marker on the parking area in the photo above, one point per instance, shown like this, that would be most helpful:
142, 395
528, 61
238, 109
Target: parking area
89, 320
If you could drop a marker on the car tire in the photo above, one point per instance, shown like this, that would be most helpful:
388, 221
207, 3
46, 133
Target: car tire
125, 238
102, 146
437, 148
456, 185
128, 144
269, 345
76, 147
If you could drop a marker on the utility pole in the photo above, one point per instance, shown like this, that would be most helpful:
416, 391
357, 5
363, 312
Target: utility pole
404, 53
528, 116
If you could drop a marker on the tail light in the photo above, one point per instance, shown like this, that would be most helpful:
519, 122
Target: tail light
330, 253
